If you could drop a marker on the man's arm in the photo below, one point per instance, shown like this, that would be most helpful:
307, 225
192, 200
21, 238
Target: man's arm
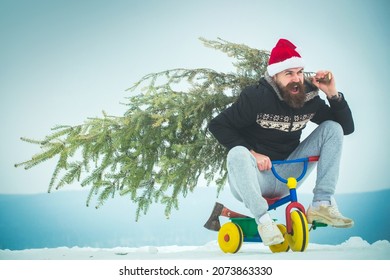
339, 110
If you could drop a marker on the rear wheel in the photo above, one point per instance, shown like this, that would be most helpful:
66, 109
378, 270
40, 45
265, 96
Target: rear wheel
284, 246
299, 238
230, 238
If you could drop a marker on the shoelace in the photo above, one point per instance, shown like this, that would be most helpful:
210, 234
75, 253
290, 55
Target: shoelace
335, 211
268, 227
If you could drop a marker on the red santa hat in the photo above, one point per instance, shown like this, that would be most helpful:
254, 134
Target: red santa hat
284, 56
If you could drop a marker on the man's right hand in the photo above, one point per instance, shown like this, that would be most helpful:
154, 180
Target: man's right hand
263, 161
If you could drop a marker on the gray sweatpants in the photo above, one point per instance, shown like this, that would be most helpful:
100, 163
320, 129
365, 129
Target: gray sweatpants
250, 185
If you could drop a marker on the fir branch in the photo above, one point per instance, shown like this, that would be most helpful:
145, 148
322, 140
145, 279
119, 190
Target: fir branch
160, 147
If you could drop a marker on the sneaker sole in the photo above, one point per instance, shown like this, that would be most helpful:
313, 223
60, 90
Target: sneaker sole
275, 242
320, 219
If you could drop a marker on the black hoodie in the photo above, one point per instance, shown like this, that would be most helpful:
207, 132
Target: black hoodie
261, 121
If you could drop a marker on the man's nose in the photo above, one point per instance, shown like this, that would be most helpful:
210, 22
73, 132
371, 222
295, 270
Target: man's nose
295, 78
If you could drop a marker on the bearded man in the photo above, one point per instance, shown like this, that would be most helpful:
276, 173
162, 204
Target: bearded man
266, 123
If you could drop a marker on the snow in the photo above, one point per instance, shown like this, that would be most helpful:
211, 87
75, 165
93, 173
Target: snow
354, 257
355, 248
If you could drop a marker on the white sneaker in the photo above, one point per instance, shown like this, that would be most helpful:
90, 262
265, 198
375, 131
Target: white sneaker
270, 233
328, 214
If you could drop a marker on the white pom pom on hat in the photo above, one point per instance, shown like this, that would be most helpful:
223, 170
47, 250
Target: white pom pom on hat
284, 56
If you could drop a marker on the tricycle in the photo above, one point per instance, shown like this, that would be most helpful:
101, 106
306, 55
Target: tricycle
242, 228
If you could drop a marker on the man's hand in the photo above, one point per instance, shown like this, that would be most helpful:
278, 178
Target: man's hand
325, 81
263, 162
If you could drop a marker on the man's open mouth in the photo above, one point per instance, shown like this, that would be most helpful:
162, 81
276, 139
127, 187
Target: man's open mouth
294, 89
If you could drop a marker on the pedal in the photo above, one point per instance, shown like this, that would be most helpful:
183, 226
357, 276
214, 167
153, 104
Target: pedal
316, 224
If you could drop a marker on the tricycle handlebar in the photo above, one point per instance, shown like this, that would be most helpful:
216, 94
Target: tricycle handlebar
305, 161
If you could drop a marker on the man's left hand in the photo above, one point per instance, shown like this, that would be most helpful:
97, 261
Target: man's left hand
328, 86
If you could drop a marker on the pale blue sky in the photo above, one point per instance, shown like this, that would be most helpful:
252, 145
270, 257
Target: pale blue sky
64, 61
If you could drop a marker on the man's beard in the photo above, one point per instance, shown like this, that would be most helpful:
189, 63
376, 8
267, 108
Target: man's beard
296, 100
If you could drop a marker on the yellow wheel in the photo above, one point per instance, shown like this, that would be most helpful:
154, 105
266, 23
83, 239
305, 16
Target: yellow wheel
299, 238
230, 238
282, 247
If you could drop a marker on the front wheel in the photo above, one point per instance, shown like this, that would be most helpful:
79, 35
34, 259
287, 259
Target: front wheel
299, 238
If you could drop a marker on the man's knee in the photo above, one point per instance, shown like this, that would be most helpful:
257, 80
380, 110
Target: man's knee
332, 127
238, 153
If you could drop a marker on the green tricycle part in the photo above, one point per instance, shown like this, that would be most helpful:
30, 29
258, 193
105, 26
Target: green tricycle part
248, 226
316, 224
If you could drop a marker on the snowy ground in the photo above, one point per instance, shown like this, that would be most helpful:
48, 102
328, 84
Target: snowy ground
353, 258
353, 249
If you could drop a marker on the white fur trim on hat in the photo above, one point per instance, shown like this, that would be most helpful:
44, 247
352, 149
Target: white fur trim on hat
292, 62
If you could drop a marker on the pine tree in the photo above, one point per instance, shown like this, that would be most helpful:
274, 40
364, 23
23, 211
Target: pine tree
161, 146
